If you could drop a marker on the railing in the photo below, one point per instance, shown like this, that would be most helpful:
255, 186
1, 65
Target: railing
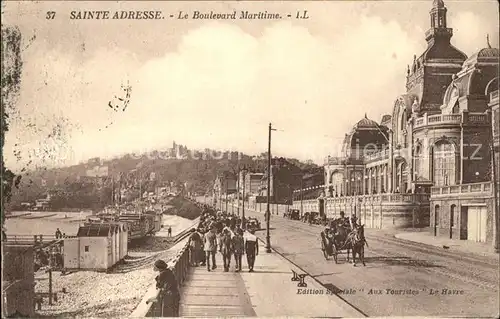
29, 239
465, 117
377, 155
150, 306
484, 187
375, 198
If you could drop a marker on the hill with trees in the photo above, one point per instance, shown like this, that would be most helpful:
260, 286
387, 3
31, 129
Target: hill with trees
91, 184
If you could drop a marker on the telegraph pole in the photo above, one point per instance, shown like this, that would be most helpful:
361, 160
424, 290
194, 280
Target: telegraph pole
226, 196
268, 212
243, 224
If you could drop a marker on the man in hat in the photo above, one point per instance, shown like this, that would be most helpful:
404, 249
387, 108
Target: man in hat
251, 248
210, 242
168, 296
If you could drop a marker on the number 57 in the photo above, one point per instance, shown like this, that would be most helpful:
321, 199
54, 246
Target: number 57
50, 15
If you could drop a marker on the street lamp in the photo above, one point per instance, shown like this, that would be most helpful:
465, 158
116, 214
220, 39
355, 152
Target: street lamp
243, 224
268, 213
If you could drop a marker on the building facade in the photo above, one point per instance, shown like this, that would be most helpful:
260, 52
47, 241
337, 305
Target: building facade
225, 184
429, 162
285, 177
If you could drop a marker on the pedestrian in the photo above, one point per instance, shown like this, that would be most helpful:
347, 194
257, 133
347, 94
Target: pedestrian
169, 231
194, 246
58, 233
210, 241
251, 249
168, 296
226, 249
238, 244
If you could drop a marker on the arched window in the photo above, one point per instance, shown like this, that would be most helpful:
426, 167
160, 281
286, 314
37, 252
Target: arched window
417, 164
444, 164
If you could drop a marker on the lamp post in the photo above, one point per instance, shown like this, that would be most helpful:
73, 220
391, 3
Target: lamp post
268, 212
243, 224
226, 195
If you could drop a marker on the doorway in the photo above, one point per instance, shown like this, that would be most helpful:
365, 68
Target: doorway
476, 224
463, 223
436, 220
321, 204
452, 219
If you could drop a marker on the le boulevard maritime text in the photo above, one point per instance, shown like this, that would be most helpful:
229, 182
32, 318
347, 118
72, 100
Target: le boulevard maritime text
181, 15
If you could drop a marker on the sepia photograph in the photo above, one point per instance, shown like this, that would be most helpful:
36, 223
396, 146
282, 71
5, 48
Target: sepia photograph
211, 159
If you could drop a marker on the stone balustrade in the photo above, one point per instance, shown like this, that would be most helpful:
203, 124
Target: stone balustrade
465, 118
458, 190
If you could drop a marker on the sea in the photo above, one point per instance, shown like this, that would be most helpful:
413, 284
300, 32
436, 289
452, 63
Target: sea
44, 223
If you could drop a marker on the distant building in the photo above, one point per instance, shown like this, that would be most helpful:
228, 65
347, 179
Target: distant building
251, 182
97, 246
285, 177
224, 184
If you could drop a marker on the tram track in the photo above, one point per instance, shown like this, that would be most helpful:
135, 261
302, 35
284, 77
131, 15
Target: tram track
467, 269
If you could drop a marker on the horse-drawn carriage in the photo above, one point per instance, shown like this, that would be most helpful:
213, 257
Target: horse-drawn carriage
293, 214
342, 238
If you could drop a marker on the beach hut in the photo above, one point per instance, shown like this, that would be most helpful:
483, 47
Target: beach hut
97, 246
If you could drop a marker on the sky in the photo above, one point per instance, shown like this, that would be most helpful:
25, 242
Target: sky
216, 84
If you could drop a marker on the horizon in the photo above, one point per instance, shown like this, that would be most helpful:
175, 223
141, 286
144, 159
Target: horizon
217, 84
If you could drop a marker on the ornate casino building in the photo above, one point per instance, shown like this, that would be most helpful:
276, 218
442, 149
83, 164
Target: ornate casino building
430, 161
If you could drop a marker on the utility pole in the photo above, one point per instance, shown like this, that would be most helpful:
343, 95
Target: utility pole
268, 212
226, 196
496, 206
238, 192
243, 224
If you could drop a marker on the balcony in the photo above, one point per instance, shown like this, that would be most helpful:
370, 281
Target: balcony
473, 189
378, 198
454, 119
377, 155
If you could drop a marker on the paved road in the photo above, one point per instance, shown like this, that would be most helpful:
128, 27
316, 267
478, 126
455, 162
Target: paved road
401, 278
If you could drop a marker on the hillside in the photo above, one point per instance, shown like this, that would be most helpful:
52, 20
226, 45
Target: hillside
77, 187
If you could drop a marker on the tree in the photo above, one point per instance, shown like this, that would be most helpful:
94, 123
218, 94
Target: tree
10, 82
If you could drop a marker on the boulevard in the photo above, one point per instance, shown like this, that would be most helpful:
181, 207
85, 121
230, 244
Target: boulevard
400, 277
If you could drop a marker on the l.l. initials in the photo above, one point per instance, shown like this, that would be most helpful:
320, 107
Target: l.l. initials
300, 278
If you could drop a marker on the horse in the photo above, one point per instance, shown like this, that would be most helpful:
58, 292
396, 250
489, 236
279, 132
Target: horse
357, 242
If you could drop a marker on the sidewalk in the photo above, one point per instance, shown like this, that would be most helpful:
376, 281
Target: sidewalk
267, 292
464, 246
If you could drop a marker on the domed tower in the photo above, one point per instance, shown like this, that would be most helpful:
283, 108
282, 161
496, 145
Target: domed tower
431, 73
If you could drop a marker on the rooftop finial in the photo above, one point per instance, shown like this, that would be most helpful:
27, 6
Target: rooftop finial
366, 117
488, 40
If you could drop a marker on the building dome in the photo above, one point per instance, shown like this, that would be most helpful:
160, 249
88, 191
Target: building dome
484, 56
366, 123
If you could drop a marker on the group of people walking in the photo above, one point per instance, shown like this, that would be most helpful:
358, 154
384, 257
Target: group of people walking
218, 232
221, 232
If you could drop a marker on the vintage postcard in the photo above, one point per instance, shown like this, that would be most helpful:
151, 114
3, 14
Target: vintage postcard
250, 158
